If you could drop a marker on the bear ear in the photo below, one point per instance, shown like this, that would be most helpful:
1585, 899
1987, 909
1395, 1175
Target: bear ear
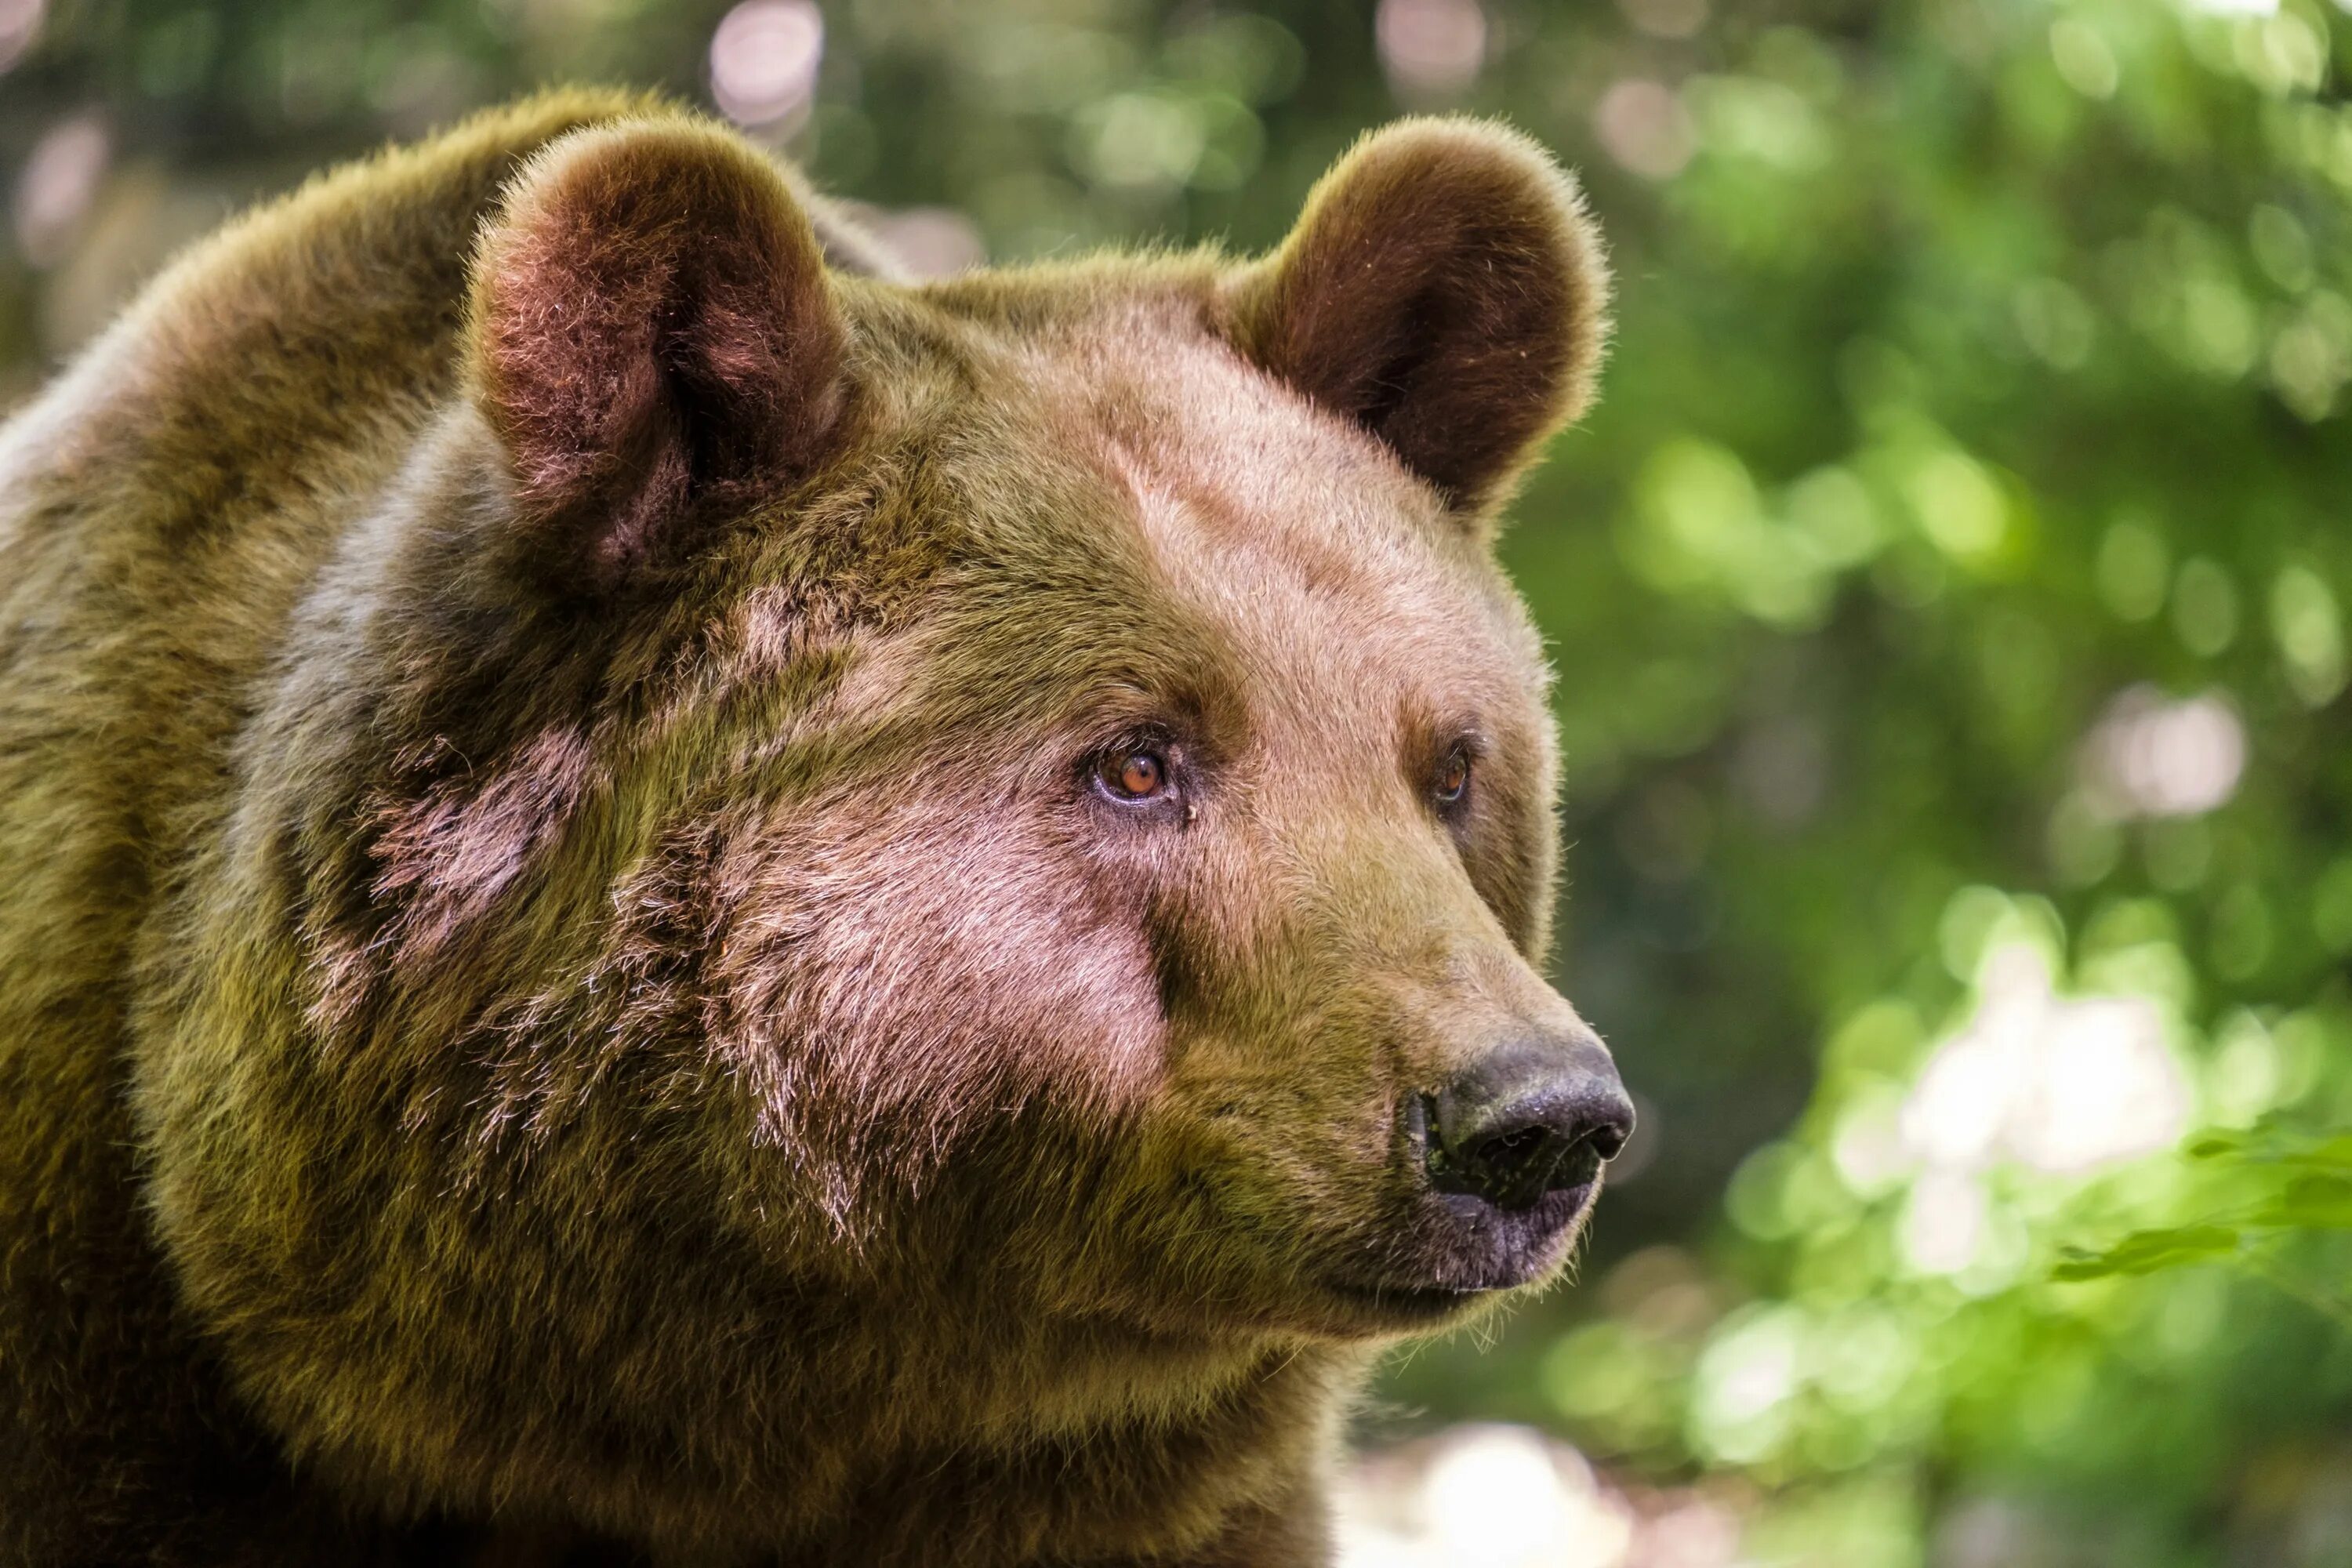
652, 335
1444, 289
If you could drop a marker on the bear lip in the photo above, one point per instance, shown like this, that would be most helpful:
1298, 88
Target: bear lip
1469, 1251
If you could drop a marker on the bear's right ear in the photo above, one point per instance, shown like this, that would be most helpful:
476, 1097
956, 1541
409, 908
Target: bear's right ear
652, 333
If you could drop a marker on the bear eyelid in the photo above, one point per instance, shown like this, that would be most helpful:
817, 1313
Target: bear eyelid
1450, 780
1140, 772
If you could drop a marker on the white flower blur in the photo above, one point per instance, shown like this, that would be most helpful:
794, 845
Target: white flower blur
2062, 1085
1487, 1497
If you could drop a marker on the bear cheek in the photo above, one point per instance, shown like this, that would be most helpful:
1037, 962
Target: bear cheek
923, 968
1287, 1107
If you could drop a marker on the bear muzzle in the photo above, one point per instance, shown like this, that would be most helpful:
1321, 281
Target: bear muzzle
1503, 1161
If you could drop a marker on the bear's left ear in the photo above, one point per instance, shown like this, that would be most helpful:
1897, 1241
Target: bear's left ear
653, 335
1442, 289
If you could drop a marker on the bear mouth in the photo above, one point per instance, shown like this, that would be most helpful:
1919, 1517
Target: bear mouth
1455, 1252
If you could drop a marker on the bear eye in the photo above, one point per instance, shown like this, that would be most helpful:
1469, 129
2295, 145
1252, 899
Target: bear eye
1452, 782
1132, 775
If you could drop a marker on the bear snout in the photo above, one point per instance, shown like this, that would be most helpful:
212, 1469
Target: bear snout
1500, 1162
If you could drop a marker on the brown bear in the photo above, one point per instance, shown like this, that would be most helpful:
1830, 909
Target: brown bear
671, 901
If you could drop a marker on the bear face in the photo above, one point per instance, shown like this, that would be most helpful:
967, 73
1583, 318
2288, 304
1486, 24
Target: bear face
841, 869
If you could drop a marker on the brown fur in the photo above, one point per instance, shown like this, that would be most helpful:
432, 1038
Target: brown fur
564, 990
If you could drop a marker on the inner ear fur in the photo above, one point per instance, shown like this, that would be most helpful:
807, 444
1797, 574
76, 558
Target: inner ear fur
1444, 289
652, 331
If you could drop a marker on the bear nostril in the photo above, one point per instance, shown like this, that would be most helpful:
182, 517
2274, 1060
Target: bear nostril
1517, 1148
1608, 1139
1514, 1169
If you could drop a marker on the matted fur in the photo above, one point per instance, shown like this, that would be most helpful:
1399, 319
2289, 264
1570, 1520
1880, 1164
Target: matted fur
564, 994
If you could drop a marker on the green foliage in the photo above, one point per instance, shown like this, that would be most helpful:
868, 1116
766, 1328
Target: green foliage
2286, 1186
1949, 599
2146, 1251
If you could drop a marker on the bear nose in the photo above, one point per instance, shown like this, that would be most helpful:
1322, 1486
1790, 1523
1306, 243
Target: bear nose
1538, 1115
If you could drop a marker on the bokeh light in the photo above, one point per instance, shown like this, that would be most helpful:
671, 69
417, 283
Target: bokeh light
764, 58
1431, 49
1644, 126
2060, 1084
20, 22
929, 242
1666, 18
57, 184
2149, 756
1488, 1496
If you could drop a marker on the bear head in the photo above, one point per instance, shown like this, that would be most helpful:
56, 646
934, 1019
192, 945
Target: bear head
990, 839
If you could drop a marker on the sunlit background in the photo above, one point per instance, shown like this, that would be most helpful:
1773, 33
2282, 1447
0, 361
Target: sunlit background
1947, 601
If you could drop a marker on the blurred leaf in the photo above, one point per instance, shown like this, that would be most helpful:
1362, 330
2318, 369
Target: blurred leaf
2146, 1251
2312, 1203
